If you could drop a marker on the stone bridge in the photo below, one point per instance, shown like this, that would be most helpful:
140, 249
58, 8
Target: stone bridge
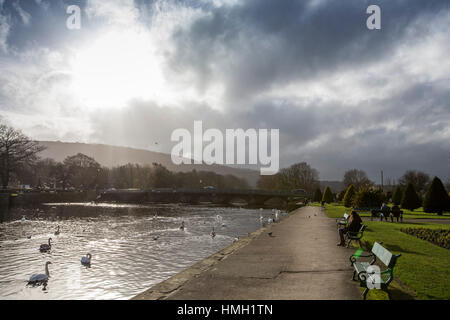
196, 196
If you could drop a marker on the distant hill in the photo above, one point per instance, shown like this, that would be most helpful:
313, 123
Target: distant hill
335, 186
111, 156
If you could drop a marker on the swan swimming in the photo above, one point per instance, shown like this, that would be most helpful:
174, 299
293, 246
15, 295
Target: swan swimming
46, 247
39, 278
57, 232
86, 260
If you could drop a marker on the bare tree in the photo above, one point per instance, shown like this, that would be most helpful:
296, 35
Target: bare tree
299, 176
16, 150
269, 182
358, 178
418, 179
81, 170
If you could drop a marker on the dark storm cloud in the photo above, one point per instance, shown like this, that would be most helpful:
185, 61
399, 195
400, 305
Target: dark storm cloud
342, 96
260, 43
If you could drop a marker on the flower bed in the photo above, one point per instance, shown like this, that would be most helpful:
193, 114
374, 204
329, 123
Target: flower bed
438, 237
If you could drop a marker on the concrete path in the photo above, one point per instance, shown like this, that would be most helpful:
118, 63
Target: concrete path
299, 261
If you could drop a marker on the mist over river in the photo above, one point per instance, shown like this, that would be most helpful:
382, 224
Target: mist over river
126, 258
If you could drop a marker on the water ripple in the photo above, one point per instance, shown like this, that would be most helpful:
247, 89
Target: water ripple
126, 259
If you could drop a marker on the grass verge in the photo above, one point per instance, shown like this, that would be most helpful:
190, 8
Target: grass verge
336, 210
422, 270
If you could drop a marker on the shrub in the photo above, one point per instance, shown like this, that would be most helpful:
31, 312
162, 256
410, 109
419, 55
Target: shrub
368, 198
439, 237
436, 199
327, 195
397, 196
349, 196
317, 195
340, 196
410, 199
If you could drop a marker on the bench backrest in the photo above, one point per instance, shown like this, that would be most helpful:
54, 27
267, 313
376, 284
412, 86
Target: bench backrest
364, 209
384, 255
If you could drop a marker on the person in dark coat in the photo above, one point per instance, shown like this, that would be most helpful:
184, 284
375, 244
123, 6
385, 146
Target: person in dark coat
354, 224
395, 212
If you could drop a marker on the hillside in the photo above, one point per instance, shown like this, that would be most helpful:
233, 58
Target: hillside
111, 156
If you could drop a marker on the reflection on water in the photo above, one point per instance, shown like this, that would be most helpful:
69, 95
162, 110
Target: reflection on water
126, 259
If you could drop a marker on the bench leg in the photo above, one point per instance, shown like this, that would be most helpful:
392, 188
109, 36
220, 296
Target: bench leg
388, 293
360, 245
354, 274
365, 293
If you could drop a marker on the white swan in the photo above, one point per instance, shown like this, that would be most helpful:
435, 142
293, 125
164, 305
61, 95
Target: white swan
86, 260
46, 247
57, 232
39, 278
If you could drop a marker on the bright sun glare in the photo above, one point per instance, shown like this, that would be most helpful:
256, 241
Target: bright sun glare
116, 68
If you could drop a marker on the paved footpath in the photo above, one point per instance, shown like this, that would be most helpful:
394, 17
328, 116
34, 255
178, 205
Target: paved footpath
299, 261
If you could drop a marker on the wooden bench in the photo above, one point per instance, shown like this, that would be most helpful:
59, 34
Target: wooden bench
342, 221
376, 213
364, 209
367, 276
355, 236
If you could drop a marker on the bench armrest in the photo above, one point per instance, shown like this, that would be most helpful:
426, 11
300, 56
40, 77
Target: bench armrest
354, 257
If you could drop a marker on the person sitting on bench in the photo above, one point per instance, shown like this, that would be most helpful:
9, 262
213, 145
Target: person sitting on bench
385, 211
395, 212
354, 224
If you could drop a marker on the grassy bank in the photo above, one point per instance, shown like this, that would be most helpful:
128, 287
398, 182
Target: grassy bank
422, 270
335, 210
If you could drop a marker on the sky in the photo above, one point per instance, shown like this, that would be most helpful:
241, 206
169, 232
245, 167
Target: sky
342, 96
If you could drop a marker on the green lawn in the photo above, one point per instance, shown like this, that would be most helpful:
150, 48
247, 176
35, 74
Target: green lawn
336, 210
423, 267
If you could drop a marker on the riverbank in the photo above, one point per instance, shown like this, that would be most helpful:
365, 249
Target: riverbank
299, 260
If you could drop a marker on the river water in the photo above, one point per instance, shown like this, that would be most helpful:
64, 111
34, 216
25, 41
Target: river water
126, 258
